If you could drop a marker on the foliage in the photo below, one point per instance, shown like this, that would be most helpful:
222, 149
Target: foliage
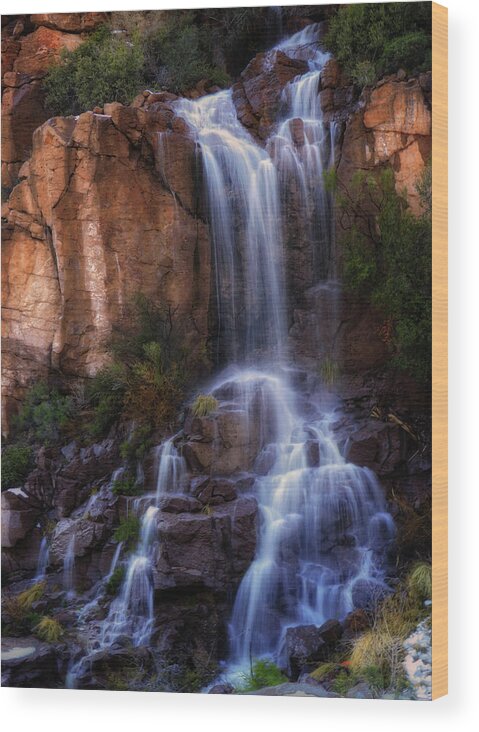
128, 531
115, 581
18, 609
177, 54
147, 377
49, 630
387, 253
420, 581
45, 414
204, 405
373, 39
105, 68
263, 673
17, 461
137, 445
125, 486
329, 370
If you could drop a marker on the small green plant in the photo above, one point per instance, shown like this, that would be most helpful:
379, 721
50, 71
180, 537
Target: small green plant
17, 461
17, 610
263, 673
48, 629
137, 445
115, 581
128, 531
329, 370
343, 682
126, 486
204, 405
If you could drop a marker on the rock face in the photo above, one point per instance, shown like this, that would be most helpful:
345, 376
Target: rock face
257, 95
28, 663
30, 44
90, 225
306, 646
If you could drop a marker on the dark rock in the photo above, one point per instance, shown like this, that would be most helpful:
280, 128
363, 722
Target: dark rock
368, 593
299, 689
331, 632
178, 503
222, 689
304, 646
29, 663
19, 515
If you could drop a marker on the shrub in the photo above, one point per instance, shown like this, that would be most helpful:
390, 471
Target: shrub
106, 394
371, 40
125, 486
45, 414
17, 462
387, 253
137, 445
49, 630
177, 55
204, 405
18, 609
115, 581
419, 581
105, 68
128, 531
263, 673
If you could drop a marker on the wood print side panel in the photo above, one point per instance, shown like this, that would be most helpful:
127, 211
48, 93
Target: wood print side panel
439, 352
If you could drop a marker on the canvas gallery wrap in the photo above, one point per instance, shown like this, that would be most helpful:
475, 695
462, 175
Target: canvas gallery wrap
223, 360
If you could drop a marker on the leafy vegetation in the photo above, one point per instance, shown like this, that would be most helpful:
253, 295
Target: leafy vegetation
387, 253
115, 581
148, 375
45, 414
17, 461
106, 67
373, 39
263, 673
48, 629
125, 486
137, 445
204, 405
18, 614
128, 531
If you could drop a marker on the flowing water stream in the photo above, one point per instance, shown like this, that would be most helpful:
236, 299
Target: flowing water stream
324, 530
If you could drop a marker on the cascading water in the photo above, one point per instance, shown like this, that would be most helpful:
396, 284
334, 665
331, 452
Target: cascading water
43, 559
131, 613
325, 531
68, 569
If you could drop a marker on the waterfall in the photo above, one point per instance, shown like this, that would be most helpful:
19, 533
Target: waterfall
131, 613
325, 533
68, 568
43, 559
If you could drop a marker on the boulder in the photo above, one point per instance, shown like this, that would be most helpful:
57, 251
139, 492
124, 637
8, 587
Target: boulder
304, 646
355, 622
222, 689
298, 689
29, 663
206, 550
368, 593
19, 516
178, 503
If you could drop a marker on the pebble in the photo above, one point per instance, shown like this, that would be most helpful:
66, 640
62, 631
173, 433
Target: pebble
418, 660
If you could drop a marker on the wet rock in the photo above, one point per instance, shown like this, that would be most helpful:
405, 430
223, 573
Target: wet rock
330, 74
222, 689
179, 504
299, 689
304, 646
257, 96
19, 516
215, 491
84, 534
210, 549
383, 447
368, 593
28, 663
331, 632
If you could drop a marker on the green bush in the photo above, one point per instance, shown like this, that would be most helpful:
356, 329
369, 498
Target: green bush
45, 414
137, 445
125, 486
177, 55
263, 673
113, 583
17, 461
371, 40
128, 531
387, 254
105, 68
